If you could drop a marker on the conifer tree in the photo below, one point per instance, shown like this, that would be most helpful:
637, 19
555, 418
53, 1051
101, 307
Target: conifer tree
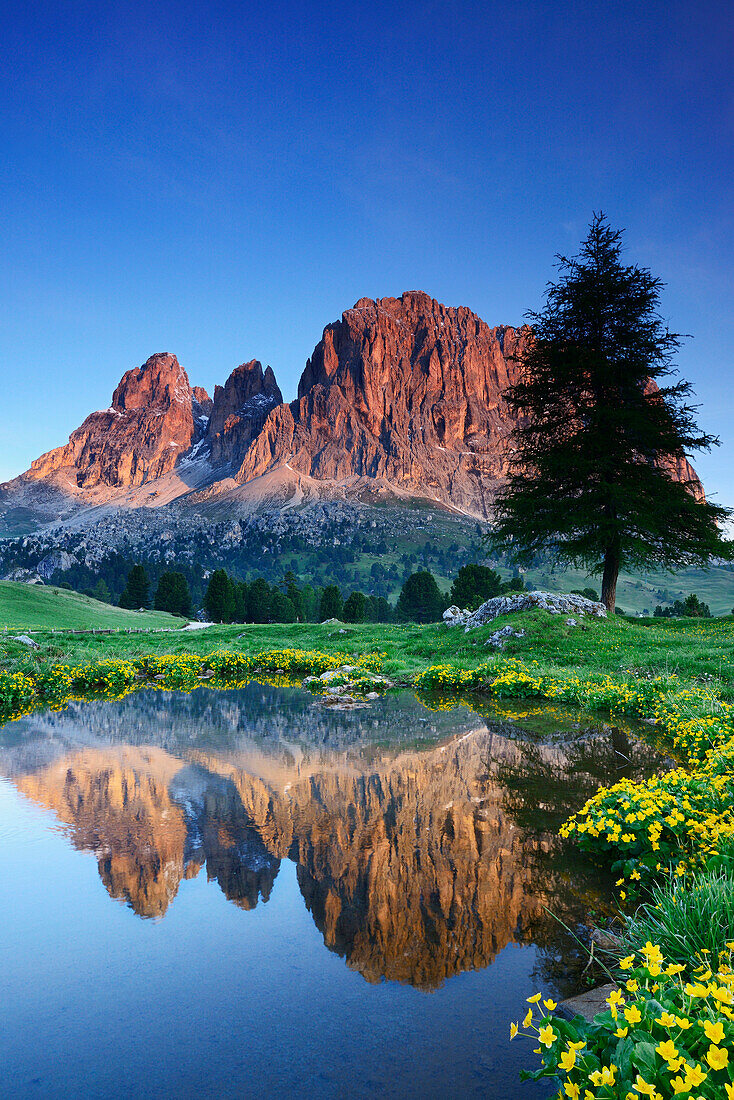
331, 603
173, 594
136, 590
420, 599
474, 584
355, 607
259, 599
603, 429
219, 600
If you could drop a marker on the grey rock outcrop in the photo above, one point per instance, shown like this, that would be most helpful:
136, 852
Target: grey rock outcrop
523, 601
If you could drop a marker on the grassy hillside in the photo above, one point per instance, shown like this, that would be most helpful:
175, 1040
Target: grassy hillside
42, 607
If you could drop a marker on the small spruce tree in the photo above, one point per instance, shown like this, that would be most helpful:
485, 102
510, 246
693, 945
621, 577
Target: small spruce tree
173, 594
219, 600
420, 600
355, 607
136, 590
331, 603
474, 584
259, 598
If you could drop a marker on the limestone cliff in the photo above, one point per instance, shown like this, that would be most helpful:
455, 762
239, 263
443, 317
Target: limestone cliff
155, 417
404, 389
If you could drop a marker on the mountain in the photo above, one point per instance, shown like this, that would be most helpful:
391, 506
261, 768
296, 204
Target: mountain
403, 389
155, 418
401, 398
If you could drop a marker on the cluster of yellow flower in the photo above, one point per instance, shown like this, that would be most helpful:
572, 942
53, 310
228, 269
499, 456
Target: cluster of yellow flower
113, 678
662, 1034
684, 816
17, 693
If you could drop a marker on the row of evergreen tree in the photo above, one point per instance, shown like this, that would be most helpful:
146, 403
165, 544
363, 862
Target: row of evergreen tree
230, 600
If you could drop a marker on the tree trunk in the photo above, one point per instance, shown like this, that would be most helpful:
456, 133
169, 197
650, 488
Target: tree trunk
609, 579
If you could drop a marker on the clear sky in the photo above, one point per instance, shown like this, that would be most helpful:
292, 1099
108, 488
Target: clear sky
221, 180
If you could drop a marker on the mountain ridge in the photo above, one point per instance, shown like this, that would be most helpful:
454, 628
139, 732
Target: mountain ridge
402, 397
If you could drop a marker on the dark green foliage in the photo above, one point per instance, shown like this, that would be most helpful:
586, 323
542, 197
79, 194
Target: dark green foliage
331, 603
281, 607
691, 607
420, 599
219, 601
474, 584
136, 590
591, 475
515, 584
241, 595
101, 591
377, 610
294, 594
589, 593
172, 594
355, 607
258, 601
310, 604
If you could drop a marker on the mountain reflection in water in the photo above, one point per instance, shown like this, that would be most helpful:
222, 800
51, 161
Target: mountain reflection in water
424, 842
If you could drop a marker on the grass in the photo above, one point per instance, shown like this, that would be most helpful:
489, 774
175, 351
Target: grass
697, 650
690, 918
43, 607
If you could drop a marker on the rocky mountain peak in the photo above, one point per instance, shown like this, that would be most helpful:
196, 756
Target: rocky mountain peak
404, 389
401, 396
160, 381
149, 425
239, 411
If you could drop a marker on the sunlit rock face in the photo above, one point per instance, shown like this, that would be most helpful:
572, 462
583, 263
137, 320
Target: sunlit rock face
416, 863
155, 418
117, 805
401, 398
239, 411
404, 389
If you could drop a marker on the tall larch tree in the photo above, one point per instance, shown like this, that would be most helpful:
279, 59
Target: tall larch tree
598, 474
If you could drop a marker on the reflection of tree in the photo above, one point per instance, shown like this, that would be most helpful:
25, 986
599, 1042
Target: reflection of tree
551, 782
416, 863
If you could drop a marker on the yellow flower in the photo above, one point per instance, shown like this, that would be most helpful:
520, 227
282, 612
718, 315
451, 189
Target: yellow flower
621, 1032
714, 1032
513, 1030
667, 1019
528, 1018
683, 1022
603, 1076
547, 1035
717, 1058
567, 1060
632, 1014
571, 1090
696, 990
627, 962
667, 1050
550, 1005
534, 999
632, 985
695, 1076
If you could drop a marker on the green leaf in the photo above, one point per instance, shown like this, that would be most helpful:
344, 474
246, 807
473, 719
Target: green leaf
643, 1057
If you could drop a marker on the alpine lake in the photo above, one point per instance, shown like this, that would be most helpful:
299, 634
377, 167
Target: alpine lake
250, 893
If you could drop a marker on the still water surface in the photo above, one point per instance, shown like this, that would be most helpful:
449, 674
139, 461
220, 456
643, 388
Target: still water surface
244, 893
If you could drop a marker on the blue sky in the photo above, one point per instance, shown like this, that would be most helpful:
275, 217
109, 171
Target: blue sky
222, 180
